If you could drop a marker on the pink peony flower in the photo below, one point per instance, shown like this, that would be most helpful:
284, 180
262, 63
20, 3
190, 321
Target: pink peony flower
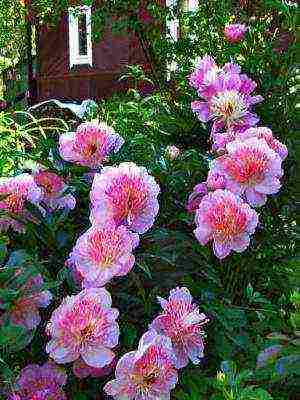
227, 220
15, 192
182, 323
90, 145
25, 309
216, 181
41, 382
53, 188
196, 196
84, 326
81, 370
235, 33
227, 95
145, 374
251, 169
103, 252
206, 74
126, 194
265, 133
228, 101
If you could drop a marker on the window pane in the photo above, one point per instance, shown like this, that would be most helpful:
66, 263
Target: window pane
82, 37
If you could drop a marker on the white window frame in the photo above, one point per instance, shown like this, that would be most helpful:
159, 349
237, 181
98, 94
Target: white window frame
173, 29
193, 5
75, 57
172, 33
173, 25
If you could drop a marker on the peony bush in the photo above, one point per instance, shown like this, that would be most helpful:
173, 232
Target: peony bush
249, 168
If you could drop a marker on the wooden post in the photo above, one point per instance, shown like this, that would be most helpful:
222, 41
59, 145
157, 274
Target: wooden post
29, 61
31, 95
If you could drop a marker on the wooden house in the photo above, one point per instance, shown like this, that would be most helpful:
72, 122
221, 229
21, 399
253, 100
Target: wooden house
72, 67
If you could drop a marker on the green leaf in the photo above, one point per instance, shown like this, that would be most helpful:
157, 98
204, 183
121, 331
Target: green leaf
251, 393
3, 252
80, 396
14, 338
129, 334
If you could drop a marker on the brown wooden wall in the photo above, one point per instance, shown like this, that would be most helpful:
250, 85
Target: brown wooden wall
110, 56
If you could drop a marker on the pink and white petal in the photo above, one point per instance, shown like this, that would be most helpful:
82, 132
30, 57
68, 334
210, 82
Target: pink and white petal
112, 314
110, 336
195, 317
248, 85
125, 365
195, 350
255, 198
171, 378
126, 265
232, 68
181, 357
241, 243
250, 119
280, 149
144, 221
201, 109
66, 146
100, 214
86, 267
158, 324
117, 389
217, 126
221, 250
146, 340
269, 185
252, 223
98, 295
232, 82
135, 238
256, 99
163, 396
276, 168
96, 278
163, 302
97, 356
67, 201
203, 234
44, 298
234, 186
181, 294
60, 353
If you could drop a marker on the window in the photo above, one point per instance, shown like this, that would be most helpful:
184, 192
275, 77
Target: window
173, 34
173, 25
192, 5
80, 32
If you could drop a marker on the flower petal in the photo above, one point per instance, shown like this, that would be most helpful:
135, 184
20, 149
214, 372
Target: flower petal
97, 356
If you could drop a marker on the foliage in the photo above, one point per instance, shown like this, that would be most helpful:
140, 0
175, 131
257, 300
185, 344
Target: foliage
23, 135
12, 28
